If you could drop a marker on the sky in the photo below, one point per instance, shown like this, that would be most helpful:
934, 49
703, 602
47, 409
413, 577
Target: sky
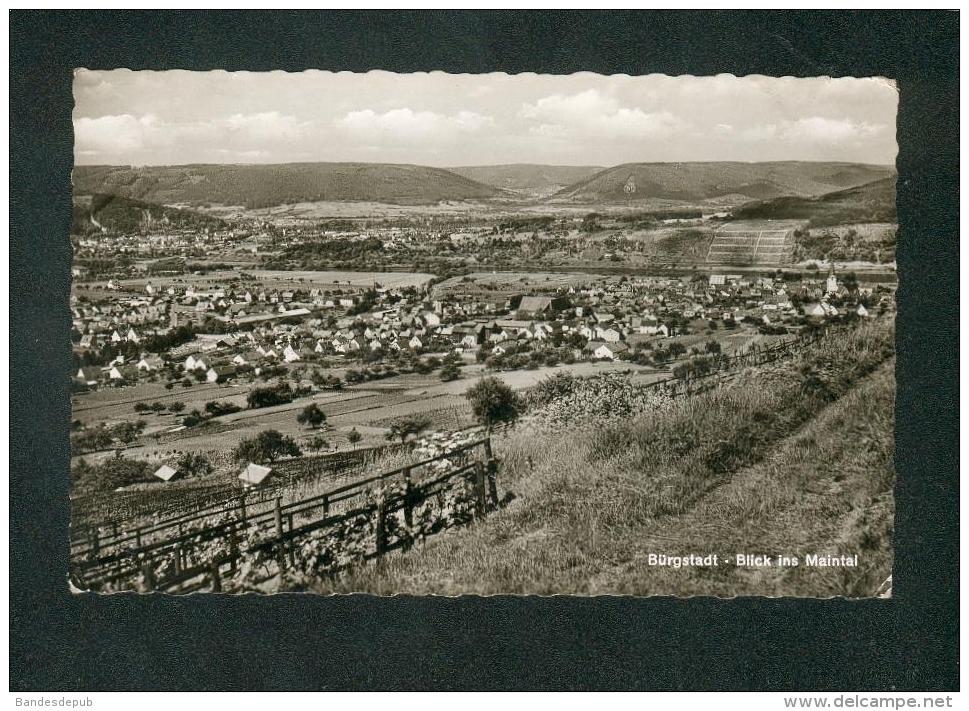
123, 117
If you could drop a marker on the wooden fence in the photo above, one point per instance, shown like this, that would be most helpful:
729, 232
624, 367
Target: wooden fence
194, 553
128, 507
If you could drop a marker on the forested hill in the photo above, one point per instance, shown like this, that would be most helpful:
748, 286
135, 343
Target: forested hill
119, 214
258, 186
872, 202
701, 181
528, 178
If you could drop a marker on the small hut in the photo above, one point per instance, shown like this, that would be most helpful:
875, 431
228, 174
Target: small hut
166, 473
254, 474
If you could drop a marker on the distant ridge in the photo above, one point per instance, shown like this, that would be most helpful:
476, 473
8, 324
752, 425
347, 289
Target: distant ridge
701, 181
528, 177
258, 186
871, 202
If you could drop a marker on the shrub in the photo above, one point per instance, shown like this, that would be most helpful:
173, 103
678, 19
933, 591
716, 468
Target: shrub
270, 395
492, 402
265, 447
311, 415
217, 408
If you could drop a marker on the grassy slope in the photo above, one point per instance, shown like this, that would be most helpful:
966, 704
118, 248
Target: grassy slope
737, 469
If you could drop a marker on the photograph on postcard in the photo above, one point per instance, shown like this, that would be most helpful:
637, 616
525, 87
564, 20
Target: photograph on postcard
482, 334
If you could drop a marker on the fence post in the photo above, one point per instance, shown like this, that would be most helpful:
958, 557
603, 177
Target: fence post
408, 498
178, 559
326, 506
216, 580
242, 508
479, 486
148, 574
95, 541
280, 555
381, 527
137, 538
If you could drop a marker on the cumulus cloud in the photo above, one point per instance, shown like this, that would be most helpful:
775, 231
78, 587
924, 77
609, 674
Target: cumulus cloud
240, 135
121, 133
407, 124
441, 119
266, 127
828, 130
591, 112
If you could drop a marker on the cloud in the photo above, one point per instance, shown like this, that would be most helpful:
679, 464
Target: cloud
240, 135
826, 130
266, 127
410, 125
591, 112
113, 134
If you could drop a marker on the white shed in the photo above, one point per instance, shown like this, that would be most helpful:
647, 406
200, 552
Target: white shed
254, 474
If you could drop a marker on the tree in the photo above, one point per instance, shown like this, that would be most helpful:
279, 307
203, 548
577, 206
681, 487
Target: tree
492, 401
450, 371
270, 395
311, 415
194, 464
265, 447
407, 426
176, 406
318, 443
353, 437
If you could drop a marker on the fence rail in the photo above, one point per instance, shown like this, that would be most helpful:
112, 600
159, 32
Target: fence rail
181, 560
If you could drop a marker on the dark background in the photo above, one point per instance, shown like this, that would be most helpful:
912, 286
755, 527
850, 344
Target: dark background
64, 642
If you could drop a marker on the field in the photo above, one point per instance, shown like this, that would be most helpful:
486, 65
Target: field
801, 465
370, 408
390, 280
496, 283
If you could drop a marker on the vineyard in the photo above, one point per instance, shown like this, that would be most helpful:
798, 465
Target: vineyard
256, 541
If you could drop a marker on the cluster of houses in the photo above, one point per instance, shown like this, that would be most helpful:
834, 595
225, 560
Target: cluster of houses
607, 318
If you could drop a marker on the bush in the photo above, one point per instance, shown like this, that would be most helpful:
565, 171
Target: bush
450, 372
311, 415
110, 474
194, 464
217, 408
492, 402
270, 395
266, 447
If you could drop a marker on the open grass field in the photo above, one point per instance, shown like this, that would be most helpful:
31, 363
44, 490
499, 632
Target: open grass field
800, 465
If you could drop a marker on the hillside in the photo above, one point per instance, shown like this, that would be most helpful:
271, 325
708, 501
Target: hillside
114, 213
871, 202
703, 181
528, 179
258, 186
802, 464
